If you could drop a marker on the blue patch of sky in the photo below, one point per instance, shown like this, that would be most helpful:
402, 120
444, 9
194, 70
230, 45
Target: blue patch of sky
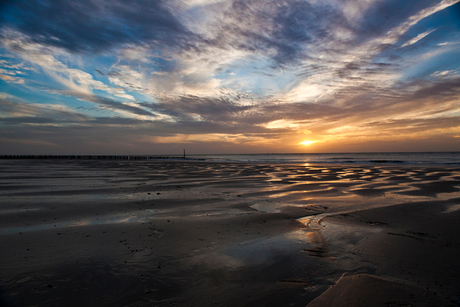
35, 84
154, 60
446, 22
98, 69
445, 25
140, 97
30, 95
9, 57
101, 63
38, 89
162, 64
42, 82
7, 14
24, 94
107, 64
447, 60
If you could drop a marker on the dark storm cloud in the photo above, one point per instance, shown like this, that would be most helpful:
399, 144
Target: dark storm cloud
94, 25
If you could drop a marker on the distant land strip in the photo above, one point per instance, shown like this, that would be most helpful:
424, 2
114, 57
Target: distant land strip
93, 157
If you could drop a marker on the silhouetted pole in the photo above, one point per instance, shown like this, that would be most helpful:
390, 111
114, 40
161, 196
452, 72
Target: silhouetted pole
184, 154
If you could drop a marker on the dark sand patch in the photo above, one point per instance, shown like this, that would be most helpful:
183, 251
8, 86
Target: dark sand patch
419, 244
370, 291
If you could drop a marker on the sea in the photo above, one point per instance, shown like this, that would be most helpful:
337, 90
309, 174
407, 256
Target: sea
409, 158
374, 158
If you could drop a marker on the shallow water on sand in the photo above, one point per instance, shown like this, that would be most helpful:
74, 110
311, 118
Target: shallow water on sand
161, 233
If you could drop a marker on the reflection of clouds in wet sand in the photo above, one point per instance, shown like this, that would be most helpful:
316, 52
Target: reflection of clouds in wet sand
132, 217
227, 233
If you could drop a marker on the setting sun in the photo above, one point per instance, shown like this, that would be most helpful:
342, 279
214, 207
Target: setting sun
307, 143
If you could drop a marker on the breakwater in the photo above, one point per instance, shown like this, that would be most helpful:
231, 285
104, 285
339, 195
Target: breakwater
92, 157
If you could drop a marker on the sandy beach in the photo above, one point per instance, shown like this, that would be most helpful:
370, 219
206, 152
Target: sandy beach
147, 233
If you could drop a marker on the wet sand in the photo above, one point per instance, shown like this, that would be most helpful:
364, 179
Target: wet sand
145, 233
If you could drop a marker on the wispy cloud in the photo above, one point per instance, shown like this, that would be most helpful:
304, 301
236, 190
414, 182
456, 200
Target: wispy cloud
417, 38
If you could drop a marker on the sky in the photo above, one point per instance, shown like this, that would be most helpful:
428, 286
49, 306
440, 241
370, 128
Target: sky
229, 76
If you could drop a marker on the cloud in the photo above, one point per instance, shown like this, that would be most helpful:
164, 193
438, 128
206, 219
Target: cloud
28, 142
12, 79
194, 108
14, 112
77, 83
280, 31
242, 72
96, 26
12, 72
109, 103
417, 38
393, 35
45, 57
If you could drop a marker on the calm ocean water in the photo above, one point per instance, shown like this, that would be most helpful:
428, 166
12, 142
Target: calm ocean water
388, 158
419, 158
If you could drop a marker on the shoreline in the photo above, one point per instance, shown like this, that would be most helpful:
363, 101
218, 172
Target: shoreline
179, 160
374, 158
174, 232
